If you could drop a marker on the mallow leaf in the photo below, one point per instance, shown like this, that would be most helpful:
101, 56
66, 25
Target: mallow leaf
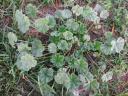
23, 21
73, 83
68, 35
65, 14
41, 25
37, 48
45, 75
63, 45
90, 14
72, 25
51, 21
93, 85
23, 47
31, 10
25, 62
52, 48
61, 77
81, 65
58, 60
107, 76
104, 14
78, 10
106, 49
117, 45
12, 38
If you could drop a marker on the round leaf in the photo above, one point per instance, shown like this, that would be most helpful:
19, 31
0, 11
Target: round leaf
26, 62
41, 25
23, 21
78, 10
68, 35
12, 38
37, 48
52, 48
58, 60
45, 75
63, 45
31, 10
61, 77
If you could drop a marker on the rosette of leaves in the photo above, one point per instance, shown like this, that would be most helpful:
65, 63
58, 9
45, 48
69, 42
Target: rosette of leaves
25, 62
61, 77
45, 75
77, 10
37, 48
52, 48
68, 35
23, 21
12, 38
57, 60
63, 45
63, 14
31, 10
41, 25
90, 14
72, 25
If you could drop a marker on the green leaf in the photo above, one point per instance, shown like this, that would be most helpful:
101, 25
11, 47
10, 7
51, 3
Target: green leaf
94, 85
23, 21
37, 48
31, 10
61, 77
81, 65
52, 48
106, 49
41, 25
63, 45
23, 47
107, 76
78, 10
68, 35
86, 37
117, 45
45, 75
90, 14
12, 39
72, 25
51, 21
25, 62
74, 82
104, 14
65, 14
58, 60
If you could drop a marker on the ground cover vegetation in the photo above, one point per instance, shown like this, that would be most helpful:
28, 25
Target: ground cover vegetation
63, 48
